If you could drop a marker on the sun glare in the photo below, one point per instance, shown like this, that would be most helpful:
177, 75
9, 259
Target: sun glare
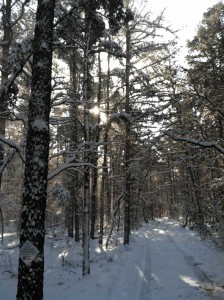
96, 111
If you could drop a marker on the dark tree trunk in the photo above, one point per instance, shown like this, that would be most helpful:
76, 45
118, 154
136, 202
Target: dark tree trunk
5, 71
74, 143
107, 191
94, 197
127, 204
93, 201
4, 77
105, 196
31, 261
2, 224
87, 153
102, 211
77, 212
70, 215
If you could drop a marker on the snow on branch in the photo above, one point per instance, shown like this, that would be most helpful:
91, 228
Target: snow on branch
6, 160
21, 13
8, 84
203, 144
114, 53
13, 145
61, 194
76, 4
66, 166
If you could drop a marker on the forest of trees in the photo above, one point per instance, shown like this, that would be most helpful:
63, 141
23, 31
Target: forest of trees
102, 129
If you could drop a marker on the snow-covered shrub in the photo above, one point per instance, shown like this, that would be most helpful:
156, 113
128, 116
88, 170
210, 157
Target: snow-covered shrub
61, 194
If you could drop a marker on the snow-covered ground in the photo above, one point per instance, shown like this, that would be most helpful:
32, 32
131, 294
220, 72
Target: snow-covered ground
162, 262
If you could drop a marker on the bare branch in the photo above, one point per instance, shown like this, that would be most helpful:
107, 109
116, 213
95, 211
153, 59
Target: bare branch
118, 202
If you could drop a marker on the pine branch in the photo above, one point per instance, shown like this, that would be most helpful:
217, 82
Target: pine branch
201, 144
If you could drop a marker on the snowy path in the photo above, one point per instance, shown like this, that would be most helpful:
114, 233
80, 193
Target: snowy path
172, 274
162, 270
162, 262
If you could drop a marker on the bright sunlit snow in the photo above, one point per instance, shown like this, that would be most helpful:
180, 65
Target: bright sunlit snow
162, 262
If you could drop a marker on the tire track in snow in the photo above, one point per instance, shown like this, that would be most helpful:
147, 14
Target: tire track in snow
145, 290
159, 269
205, 283
170, 273
147, 277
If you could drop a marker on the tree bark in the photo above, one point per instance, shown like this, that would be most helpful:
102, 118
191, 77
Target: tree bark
4, 95
87, 156
107, 191
2, 224
32, 233
73, 206
105, 196
94, 197
127, 204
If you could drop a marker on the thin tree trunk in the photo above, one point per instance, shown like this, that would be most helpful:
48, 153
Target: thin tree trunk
94, 200
115, 211
102, 211
77, 212
196, 194
87, 157
127, 204
2, 224
4, 77
70, 215
95, 159
107, 189
73, 206
5, 70
31, 260
75, 141
105, 186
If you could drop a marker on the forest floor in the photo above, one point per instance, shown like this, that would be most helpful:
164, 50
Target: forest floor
162, 262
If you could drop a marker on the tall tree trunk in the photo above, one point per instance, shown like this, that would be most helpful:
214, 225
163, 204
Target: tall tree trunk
105, 196
106, 136
4, 94
127, 203
5, 71
199, 217
2, 224
70, 209
73, 206
87, 153
102, 210
32, 233
93, 200
77, 238
95, 154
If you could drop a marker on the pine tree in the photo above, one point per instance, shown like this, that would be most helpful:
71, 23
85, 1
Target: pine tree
31, 261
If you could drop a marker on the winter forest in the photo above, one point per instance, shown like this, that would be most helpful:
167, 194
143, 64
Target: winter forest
111, 153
